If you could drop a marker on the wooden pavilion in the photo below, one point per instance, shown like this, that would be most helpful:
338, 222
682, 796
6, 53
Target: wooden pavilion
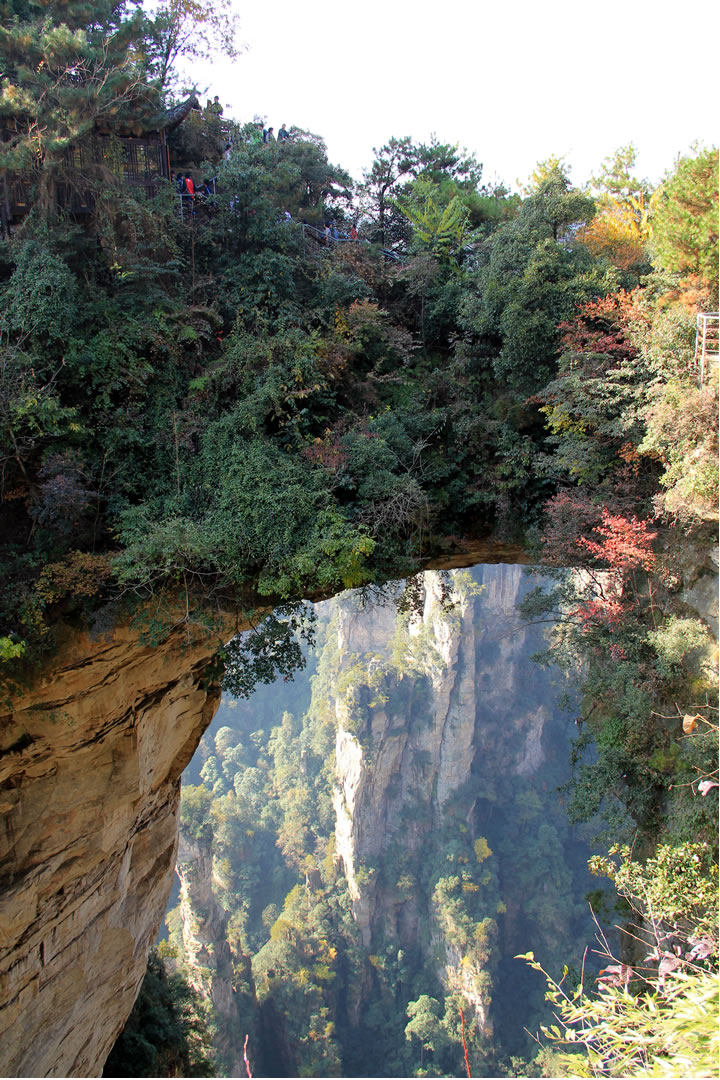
139, 161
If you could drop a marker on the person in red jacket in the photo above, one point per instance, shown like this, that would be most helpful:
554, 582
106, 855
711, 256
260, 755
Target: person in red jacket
190, 189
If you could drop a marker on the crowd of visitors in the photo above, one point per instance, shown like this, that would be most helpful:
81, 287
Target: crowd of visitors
266, 134
194, 197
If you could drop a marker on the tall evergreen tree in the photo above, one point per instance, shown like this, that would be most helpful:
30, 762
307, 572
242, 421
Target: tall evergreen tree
67, 69
684, 219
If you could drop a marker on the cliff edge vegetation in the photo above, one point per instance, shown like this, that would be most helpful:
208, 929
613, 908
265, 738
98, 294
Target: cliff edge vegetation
294, 384
215, 401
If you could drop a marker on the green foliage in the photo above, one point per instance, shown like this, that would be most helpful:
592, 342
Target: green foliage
684, 221
271, 649
166, 1033
195, 812
677, 885
11, 650
264, 512
60, 78
683, 644
241, 410
682, 433
664, 1032
40, 298
426, 1023
533, 277
658, 1020
442, 231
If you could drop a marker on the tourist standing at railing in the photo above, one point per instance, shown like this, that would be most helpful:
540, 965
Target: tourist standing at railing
283, 134
190, 189
353, 233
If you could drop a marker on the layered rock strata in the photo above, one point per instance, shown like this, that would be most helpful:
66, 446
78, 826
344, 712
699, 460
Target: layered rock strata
90, 764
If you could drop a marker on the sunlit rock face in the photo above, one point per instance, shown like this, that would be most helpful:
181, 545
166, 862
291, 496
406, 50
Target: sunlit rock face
205, 946
90, 764
470, 702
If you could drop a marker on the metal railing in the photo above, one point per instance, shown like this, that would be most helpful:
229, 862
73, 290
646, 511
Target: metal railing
707, 343
328, 238
333, 237
188, 202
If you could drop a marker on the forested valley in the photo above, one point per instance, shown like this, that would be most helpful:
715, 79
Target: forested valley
235, 404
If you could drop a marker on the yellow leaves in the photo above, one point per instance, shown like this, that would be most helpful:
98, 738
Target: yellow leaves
11, 650
619, 231
279, 929
470, 886
342, 329
561, 422
482, 849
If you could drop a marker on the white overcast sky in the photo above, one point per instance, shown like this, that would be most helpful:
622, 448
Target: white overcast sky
514, 82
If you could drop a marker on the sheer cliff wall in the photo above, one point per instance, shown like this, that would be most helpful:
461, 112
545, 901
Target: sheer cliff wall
476, 707
207, 952
90, 764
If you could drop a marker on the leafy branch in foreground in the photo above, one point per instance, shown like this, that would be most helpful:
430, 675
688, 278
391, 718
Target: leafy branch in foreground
657, 1017
668, 1032
272, 648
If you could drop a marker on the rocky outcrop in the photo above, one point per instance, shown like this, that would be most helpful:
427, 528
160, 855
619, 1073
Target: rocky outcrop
700, 585
471, 705
433, 756
90, 764
206, 951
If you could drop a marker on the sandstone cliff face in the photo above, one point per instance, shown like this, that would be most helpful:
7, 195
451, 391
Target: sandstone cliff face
90, 764
472, 705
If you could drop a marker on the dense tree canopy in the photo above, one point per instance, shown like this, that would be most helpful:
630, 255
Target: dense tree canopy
245, 398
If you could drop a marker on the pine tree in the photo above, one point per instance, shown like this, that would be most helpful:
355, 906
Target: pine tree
684, 220
69, 68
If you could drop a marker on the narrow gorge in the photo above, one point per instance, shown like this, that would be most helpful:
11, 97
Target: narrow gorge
409, 778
